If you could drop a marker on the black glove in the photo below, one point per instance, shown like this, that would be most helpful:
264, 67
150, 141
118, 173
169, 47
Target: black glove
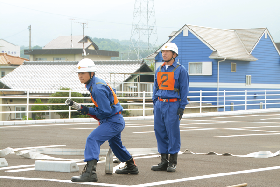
180, 112
83, 110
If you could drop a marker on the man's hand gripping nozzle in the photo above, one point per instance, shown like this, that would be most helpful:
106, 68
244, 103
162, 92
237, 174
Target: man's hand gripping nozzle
73, 104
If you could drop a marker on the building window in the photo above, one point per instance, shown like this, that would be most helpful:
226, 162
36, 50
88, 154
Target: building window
2, 74
233, 67
40, 59
200, 68
248, 80
195, 68
58, 59
20, 115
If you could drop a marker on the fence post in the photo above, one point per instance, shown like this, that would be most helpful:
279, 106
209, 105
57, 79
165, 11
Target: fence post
144, 103
264, 99
69, 108
224, 100
122, 89
138, 89
27, 105
200, 102
245, 99
232, 106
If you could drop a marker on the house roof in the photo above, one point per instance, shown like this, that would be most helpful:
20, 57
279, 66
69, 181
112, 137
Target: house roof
6, 42
278, 46
70, 51
38, 77
6, 59
233, 44
62, 45
64, 42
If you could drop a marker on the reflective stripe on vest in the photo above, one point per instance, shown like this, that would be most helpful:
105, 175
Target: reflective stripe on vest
116, 101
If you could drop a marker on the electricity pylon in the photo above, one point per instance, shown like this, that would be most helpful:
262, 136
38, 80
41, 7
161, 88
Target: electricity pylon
144, 32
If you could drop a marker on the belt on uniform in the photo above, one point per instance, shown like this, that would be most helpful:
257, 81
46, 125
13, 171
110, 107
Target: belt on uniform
169, 100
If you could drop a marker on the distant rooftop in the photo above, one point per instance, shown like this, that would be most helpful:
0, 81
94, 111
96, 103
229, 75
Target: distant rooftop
6, 59
71, 42
71, 45
39, 76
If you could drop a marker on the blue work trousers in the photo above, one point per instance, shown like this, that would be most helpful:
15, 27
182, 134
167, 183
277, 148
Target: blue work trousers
110, 129
167, 127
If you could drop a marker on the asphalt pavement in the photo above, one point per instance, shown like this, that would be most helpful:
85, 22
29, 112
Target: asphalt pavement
216, 150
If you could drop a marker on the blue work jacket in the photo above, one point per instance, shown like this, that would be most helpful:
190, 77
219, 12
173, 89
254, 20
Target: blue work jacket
181, 77
102, 94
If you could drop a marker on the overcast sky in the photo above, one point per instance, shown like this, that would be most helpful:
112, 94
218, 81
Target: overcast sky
113, 18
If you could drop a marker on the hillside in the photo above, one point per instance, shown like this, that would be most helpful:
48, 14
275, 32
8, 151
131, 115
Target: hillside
122, 46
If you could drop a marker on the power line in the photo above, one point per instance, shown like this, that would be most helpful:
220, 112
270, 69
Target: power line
15, 34
128, 24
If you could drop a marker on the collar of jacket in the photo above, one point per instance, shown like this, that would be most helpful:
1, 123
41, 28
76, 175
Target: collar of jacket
174, 64
90, 83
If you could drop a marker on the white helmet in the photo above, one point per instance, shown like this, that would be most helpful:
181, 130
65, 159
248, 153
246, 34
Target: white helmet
170, 46
86, 65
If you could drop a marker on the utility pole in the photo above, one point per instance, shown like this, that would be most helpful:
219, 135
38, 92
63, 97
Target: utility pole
144, 32
71, 32
84, 52
29, 27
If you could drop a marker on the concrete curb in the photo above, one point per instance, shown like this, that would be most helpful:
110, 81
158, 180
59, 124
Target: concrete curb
189, 115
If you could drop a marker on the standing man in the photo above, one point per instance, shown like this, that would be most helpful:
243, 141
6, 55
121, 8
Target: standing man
107, 111
170, 93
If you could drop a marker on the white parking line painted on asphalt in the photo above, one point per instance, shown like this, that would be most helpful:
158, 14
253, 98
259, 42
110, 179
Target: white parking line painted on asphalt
270, 126
242, 135
236, 129
36, 125
15, 167
143, 132
139, 126
227, 121
26, 148
201, 123
152, 183
263, 122
87, 123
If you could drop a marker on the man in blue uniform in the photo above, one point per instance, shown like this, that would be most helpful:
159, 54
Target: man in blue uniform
170, 93
107, 111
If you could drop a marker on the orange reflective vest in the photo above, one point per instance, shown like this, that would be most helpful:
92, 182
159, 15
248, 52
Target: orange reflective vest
166, 80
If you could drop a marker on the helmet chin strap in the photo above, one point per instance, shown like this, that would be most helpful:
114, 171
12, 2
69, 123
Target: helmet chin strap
90, 78
169, 60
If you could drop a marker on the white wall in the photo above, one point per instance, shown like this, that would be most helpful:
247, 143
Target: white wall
9, 48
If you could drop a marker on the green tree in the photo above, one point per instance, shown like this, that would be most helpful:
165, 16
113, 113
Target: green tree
65, 107
39, 115
152, 66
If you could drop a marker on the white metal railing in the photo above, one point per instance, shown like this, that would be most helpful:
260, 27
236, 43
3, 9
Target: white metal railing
202, 100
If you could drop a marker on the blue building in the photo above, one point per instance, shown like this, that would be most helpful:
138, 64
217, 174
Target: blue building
227, 60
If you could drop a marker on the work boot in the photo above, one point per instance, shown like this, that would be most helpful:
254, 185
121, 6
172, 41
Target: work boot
163, 165
129, 168
172, 162
88, 173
